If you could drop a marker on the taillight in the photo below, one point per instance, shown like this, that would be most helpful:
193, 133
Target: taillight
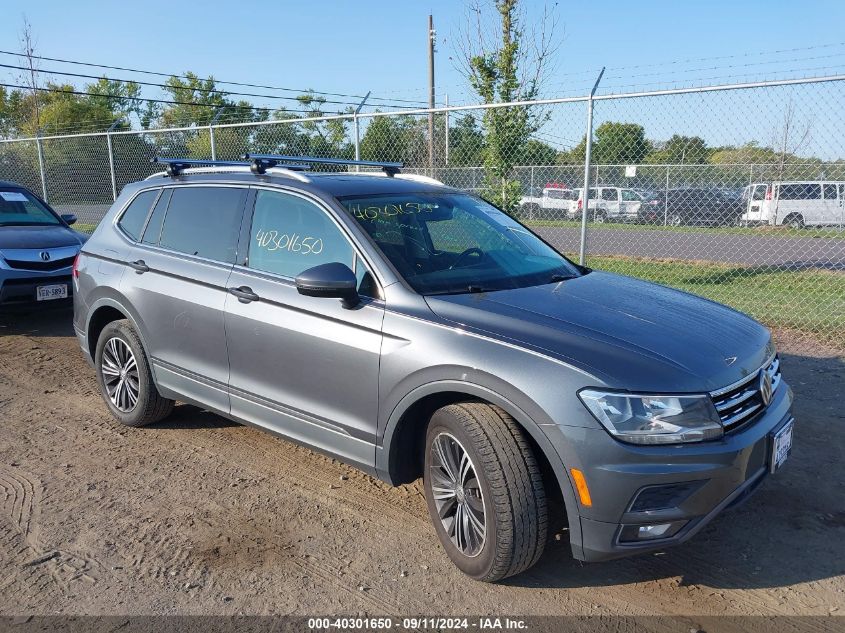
580, 204
769, 192
75, 269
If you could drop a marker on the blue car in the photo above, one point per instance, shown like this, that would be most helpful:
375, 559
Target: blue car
37, 249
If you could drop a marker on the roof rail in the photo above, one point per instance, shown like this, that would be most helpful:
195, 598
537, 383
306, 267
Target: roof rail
175, 166
271, 160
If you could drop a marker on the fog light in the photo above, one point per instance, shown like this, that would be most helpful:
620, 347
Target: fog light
632, 533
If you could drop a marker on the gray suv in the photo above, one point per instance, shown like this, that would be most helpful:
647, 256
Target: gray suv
414, 330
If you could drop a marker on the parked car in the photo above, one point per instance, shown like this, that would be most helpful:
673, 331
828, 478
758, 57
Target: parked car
555, 203
414, 330
37, 248
795, 204
613, 204
692, 206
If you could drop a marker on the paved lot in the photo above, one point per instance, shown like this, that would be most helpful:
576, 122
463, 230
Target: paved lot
752, 250
197, 515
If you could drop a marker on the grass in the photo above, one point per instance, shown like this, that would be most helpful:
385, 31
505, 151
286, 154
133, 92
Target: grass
770, 231
84, 228
806, 300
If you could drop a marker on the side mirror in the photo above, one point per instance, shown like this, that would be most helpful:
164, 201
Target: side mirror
334, 280
69, 218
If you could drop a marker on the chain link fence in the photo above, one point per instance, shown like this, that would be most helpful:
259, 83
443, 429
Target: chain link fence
735, 193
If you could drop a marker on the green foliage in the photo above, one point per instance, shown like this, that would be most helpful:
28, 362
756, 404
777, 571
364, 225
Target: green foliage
466, 143
400, 139
614, 144
680, 150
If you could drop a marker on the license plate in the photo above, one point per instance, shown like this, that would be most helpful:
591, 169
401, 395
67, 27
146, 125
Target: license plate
47, 293
781, 446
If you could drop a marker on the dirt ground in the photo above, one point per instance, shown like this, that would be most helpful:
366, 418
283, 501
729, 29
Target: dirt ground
198, 515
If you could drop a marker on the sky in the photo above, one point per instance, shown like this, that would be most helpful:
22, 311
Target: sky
351, 47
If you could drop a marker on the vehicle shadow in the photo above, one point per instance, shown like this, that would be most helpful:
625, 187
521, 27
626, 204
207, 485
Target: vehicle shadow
188, 416
790, 531
43, 321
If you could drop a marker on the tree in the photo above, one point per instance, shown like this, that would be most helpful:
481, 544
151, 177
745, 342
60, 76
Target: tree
509, 69
395, 139
466, 142
681, 150
615, 144
536, 152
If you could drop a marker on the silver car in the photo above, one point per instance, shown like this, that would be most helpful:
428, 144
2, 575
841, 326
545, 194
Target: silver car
37, 249
414, 330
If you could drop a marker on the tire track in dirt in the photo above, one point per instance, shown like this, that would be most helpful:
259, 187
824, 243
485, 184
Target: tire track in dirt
288, 522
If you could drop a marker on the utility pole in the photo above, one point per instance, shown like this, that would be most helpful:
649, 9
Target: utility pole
431, 41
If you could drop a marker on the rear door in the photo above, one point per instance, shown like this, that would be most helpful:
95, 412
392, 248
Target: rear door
610, 201
830, 204
176, 282
305, 367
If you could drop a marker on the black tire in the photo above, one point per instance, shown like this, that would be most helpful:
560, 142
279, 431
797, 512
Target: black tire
600, 217
795, 221
150, 406
508, 475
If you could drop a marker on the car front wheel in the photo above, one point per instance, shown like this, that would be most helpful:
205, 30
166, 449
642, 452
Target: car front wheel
125, 379
484, 491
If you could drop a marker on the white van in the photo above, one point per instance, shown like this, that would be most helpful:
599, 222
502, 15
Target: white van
796, 204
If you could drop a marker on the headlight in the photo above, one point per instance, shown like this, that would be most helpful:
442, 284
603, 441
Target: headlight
654, 419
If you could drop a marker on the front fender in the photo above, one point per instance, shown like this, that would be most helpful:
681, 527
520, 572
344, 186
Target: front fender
390, 435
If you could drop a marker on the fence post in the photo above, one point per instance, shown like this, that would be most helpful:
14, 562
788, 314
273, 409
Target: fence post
585, 207
211, 132
446, 149
358, 128
666, 199
41, 166
111, 159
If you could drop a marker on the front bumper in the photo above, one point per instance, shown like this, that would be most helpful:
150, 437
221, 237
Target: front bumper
711, 476
18, 287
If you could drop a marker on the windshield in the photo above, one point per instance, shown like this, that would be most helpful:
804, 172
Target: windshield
456, 243
21, 208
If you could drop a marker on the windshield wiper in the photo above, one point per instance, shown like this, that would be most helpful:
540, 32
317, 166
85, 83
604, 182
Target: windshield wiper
559, 277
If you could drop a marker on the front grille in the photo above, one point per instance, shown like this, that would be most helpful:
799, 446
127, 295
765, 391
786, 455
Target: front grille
742, 401
53, 264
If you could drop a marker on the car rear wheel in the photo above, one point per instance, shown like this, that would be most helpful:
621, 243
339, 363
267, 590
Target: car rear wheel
675, 220
125, 379
600, 217
484, 491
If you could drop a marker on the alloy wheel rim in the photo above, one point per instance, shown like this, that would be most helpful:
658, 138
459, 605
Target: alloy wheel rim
120, 375
457, 495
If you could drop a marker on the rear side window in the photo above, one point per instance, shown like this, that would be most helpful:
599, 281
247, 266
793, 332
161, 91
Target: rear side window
133, 219
608, 194
204, 221
830, 192
801, 191
290, 234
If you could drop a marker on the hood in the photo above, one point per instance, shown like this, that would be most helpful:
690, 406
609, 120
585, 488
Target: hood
54, 236
630, 334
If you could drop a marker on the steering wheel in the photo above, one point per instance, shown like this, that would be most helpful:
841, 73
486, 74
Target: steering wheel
468, 251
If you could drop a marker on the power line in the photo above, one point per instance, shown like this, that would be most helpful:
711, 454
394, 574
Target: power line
165, 86
165, 101
229, 83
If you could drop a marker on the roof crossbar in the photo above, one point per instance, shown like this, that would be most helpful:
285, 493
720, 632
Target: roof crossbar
175, 166
271, 160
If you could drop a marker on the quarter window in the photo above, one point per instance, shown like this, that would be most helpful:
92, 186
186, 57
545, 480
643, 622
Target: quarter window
204, 221
132, 220
290, 234
153, 230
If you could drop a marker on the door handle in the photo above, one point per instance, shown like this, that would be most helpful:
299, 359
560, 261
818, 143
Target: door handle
139, 266
244, 294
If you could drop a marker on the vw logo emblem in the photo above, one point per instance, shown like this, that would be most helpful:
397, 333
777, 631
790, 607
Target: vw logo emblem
45, 256
765, 387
